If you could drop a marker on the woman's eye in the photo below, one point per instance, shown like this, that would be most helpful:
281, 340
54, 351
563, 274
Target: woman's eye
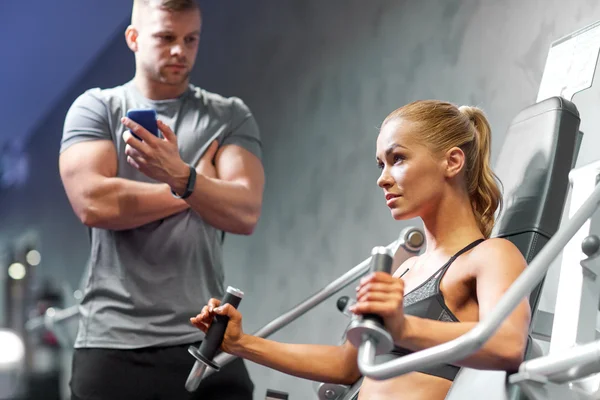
398, 158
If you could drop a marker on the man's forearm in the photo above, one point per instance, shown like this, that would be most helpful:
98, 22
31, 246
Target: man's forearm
228, 206
119, 204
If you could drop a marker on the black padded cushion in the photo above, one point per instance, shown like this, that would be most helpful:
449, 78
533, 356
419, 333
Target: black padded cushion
533, 166
538, 152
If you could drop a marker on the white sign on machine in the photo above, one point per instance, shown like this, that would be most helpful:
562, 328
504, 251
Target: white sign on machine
571, 64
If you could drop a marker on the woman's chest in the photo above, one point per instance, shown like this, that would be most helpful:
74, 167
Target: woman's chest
448, 293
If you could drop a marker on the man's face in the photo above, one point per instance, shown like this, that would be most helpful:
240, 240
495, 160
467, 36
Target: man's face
166, 43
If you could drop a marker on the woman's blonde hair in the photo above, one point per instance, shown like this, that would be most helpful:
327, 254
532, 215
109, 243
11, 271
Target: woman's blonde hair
442, 126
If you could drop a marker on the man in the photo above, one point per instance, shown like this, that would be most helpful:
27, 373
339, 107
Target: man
157, 208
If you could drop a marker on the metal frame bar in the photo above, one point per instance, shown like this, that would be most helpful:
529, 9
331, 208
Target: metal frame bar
568, 371
199, 371
542, 326
577, 363
538, 387
52, 317
473, 340
578, 292
52, 320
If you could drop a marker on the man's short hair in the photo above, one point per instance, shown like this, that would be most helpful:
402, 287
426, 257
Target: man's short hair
171, 5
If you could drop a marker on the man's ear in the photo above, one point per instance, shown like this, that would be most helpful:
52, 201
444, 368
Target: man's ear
131, 36
455, 162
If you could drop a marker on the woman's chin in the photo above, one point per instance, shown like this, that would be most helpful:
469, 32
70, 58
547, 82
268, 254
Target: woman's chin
397, 214
401, 215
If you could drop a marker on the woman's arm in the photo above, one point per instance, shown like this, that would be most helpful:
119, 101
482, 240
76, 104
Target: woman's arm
497, 263
332, 364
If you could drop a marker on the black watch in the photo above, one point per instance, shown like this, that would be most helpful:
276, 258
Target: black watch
189, 188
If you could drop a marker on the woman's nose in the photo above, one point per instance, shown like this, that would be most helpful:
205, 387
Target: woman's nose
385, 179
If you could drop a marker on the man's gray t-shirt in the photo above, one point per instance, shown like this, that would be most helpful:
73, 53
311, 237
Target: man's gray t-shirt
142, 285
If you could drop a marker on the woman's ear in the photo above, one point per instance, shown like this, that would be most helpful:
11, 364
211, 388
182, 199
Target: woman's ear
131, 36
455, 162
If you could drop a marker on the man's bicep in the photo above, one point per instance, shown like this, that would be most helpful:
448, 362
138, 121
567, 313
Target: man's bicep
236, 164
83, 163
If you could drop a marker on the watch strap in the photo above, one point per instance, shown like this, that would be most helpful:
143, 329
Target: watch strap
189, 188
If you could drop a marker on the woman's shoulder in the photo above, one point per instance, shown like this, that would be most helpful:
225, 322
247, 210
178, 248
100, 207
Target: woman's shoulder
495, 252
497, 243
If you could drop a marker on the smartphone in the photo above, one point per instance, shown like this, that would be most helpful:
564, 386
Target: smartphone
146, 117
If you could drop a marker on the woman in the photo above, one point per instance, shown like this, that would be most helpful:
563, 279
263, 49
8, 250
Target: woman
435, 164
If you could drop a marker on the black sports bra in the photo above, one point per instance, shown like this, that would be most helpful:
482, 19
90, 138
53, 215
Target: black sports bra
427, 301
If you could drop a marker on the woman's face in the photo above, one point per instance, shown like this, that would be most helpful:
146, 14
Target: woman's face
412, 177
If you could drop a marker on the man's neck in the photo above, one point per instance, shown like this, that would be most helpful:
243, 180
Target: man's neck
158, 91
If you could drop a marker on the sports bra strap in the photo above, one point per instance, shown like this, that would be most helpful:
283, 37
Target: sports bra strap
451, 260
466, 248
455, 256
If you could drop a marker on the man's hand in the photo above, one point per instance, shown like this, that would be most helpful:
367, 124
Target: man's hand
156, 158
206, 165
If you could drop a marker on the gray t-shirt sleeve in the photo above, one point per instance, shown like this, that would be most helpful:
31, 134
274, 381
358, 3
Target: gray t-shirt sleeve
87, 119
244, 130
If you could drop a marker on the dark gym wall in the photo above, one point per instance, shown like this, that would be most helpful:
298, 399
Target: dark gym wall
48, 45
320, 77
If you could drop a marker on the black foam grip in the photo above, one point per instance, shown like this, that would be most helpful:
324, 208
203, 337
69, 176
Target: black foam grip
380, 262
214, 337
